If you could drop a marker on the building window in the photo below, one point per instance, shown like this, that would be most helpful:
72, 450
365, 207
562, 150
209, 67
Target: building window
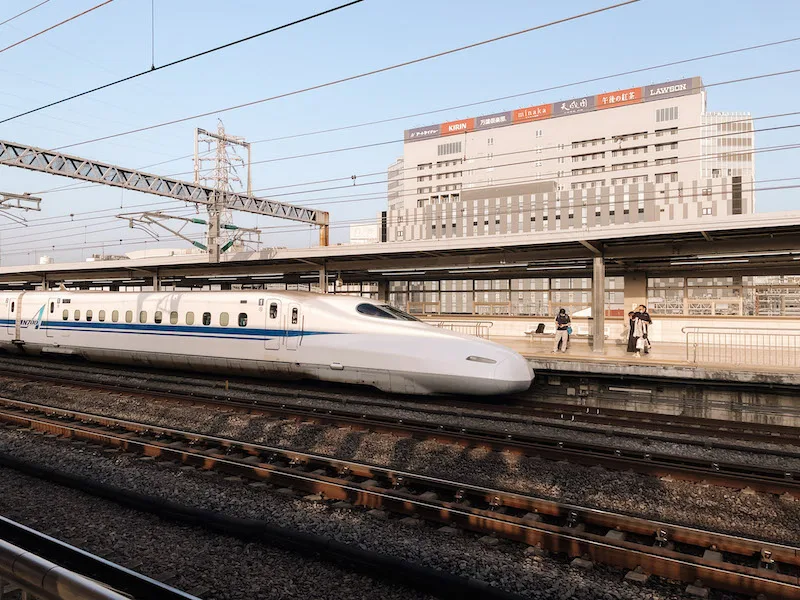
706, 211
490, 142
664, 177
449, 148
539, 133
666, 114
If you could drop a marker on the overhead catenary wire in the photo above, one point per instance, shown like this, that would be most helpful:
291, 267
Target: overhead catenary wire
59, 24
173, 63
24, 12
362, 75
551, 88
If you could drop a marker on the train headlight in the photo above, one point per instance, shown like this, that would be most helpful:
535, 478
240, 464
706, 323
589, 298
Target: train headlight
481, 359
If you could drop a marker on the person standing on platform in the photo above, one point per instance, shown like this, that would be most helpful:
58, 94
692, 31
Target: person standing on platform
640, 331
631, 326
645, 316
563, 330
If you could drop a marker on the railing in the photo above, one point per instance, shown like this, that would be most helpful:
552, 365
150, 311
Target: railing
476, 328
742, 346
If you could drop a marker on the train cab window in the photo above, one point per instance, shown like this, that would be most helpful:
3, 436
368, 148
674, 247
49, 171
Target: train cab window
294, 316
206, 318
373, 310
88, 315
173, 317
77, 315
242, 319
142, 316
190, 318
12, 307
52, 307
114, 316
158, 317
101, 316
65, 314
129, 316
273, 311
224, 319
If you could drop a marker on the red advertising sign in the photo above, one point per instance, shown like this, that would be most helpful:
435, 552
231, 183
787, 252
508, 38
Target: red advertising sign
618, 98
533, 113
462, 126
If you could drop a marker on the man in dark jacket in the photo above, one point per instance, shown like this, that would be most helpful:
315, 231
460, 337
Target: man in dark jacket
562, 331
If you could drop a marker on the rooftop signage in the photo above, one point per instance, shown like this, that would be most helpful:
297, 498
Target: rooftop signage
660, 91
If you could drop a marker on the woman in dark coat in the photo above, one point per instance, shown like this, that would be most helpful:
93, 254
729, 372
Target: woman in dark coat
631, 326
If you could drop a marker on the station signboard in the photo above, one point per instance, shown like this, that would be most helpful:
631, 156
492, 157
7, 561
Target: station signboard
618, 98
495, 120
670, 89
421, 133
454, 127
574, 106
533, 113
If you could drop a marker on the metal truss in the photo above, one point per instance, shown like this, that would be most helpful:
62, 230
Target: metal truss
24, 202
58, 163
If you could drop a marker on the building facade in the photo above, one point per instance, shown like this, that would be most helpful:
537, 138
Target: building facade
650, 153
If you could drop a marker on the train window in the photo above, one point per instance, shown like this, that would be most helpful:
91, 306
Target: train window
273, 311
190, 318
88, 315
12, 307
77, 315
224, 319
114, 316
158, 317
206, 318
403, 316
294, 316
101, 316
142, 316
173, 317
52, 307
372, 310
129, 316
65, 314
242, 319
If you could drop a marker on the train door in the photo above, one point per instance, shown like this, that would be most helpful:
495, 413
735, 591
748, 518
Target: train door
294, 326
272, 326
11, 316
50, 317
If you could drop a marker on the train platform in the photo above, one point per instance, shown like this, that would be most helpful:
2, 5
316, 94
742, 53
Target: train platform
665, 360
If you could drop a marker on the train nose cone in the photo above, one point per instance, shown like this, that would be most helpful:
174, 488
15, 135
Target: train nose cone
513, 374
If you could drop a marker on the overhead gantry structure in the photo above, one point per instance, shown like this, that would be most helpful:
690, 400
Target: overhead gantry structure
32, 158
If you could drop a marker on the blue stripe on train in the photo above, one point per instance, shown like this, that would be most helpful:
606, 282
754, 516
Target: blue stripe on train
177, 330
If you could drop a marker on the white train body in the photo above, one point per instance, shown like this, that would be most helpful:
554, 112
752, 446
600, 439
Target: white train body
268, 333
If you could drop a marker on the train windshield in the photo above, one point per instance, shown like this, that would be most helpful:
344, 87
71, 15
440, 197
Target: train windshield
384, 311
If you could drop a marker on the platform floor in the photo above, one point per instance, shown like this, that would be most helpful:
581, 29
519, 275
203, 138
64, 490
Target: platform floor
664, 360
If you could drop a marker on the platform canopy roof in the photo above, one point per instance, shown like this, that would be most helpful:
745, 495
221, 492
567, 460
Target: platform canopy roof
767, 243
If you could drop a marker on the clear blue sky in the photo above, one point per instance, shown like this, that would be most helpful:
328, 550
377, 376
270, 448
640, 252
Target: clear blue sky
114, 41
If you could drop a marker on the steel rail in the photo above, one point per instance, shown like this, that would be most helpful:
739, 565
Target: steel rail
32, 570
480, 509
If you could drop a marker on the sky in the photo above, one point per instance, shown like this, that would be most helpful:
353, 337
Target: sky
115, 40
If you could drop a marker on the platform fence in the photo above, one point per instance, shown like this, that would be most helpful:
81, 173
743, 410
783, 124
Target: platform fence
741, 346
476, 328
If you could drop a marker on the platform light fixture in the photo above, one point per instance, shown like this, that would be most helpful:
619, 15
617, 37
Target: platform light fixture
709, 262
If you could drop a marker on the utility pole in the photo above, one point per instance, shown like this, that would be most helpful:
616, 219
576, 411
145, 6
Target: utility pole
222, 176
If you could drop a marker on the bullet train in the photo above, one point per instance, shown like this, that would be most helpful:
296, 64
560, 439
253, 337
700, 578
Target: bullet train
277, 334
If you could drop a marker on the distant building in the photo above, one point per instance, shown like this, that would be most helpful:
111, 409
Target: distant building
364, 234
649, 153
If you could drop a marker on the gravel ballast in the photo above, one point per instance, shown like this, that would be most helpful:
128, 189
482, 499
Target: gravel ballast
504, 564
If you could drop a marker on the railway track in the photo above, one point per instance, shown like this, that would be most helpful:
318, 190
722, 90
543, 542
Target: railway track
722, 561
554, 413
28, 569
